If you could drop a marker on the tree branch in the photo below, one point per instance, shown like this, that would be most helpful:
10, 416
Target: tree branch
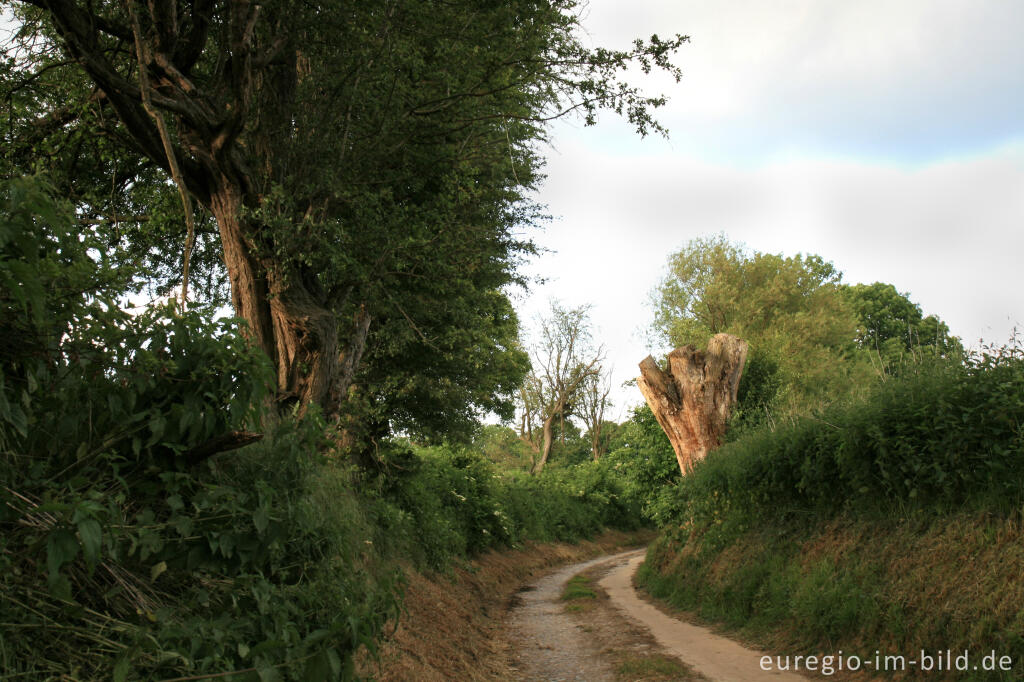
169, 150
232, 440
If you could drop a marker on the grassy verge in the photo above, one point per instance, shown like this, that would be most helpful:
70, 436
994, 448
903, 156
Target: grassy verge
450, 627
857, 586
892, 525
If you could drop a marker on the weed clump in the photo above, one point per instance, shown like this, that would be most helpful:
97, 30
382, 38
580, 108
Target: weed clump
578, 588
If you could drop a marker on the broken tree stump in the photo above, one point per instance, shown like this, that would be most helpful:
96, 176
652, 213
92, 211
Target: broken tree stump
692, 400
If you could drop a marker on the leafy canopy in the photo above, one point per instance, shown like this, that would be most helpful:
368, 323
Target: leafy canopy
893, 329
812, 337
789, 309
352, 160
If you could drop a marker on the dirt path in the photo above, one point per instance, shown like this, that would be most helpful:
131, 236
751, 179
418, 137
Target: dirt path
550, 646
714, 656
554, 645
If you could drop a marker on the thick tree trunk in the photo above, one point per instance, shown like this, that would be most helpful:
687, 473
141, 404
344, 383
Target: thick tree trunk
693, 399
299, 334
255, 92
249, 292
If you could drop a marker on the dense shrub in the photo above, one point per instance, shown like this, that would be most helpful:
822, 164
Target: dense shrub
948, 436
642, 458
126, 550
133, 546
449, 501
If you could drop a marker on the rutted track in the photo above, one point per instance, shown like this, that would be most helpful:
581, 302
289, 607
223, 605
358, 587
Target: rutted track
552, 647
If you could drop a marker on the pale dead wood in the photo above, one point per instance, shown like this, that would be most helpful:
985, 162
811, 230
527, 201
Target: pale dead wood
693, 398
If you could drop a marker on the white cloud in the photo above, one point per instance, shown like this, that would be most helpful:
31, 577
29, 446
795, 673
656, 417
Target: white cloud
886, 137
949, 233
905, 80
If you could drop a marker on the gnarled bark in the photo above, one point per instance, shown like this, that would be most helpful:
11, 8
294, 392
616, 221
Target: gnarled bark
315, 352
299, 333
692, 400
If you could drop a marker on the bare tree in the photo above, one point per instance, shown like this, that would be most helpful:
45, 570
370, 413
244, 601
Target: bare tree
593, 404
564, 360
530, 411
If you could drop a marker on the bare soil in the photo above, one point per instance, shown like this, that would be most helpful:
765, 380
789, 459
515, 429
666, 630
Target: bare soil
550, 646
634, 653
717, 657
453, 627
509, 616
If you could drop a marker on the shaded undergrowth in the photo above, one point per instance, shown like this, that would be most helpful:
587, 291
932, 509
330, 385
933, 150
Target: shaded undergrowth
139, 541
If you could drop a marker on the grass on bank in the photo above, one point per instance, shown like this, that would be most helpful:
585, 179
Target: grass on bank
892, 524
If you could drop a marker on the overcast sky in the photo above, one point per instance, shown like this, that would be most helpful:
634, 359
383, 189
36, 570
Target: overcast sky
886, 136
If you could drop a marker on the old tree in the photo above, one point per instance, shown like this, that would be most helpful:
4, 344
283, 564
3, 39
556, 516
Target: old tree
692, 398
361, 170
564, 364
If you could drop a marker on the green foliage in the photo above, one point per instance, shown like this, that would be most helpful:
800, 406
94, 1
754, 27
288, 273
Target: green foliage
642, 457
610, 434
943, 437
502, 446
805, 585
569, 446
257, 563
353, 162
132, 379
373, 162
893, 329
813, 340
144, 553
789, 309
56, 125
768, 583
835, 529
461, 361
449, 501
441, 505
139, 556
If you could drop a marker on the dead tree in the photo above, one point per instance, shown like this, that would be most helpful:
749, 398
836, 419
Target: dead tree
692, 400
562, 362
593, 402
